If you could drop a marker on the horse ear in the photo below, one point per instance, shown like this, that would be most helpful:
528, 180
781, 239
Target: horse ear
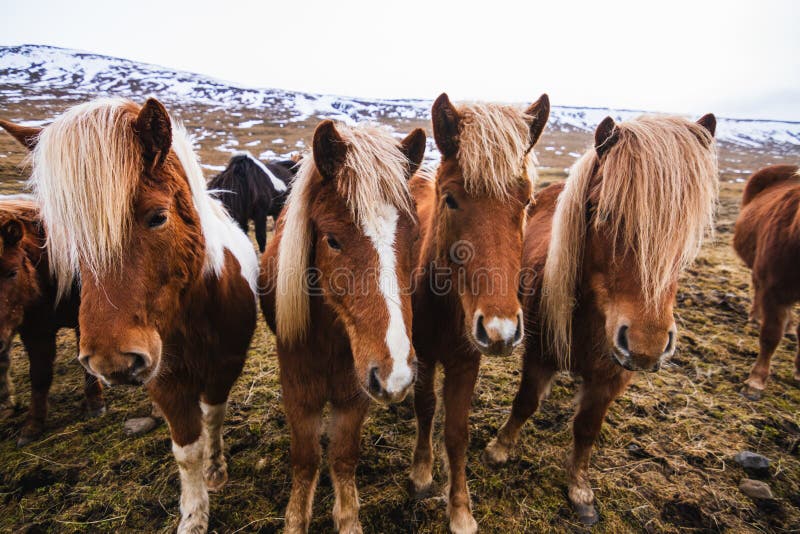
154, 129
10, 233
605, 136
446, 125
26, 135
540, 112
329, 150
709, 122
413, 146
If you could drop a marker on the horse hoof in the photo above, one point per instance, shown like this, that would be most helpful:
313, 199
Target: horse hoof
751, 393
216, 476
420, 491
587, 513
27, 439
96, 411
462, 522
495, 453
196, 523
139, 425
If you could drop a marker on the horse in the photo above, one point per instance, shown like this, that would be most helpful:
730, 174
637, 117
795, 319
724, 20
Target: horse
469, 256
602, 257
27, 292
250, 189
336, 292
167, 280
767, 238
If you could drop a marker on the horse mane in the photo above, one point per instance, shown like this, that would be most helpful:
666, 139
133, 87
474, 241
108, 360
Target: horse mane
86, 168
494, 150
372, 176
656, 199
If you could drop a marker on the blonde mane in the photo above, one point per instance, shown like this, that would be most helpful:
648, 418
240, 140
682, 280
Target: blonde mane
494, 149
86, 169
656, 199
373, 175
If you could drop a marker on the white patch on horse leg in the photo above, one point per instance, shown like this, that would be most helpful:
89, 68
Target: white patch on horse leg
382, 232
216, 469
194, 497
345, 505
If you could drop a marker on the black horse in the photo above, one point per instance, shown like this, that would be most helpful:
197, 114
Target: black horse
254, 190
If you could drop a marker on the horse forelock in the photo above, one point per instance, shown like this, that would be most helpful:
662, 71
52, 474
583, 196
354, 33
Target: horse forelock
660, 178
494, 148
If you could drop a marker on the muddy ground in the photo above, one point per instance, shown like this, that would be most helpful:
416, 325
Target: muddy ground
663, 462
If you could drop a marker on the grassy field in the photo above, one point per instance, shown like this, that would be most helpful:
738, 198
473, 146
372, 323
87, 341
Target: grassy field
663, 462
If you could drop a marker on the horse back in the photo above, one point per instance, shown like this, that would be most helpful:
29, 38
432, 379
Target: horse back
766, 178
767, 231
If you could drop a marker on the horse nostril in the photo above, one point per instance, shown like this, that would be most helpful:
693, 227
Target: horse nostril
670, 342
480, 332
374, 382
138, 363
518, 331
622, 340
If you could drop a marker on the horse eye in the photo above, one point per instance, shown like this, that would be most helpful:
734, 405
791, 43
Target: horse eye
332, 242
11, 274
157, 219
450, 201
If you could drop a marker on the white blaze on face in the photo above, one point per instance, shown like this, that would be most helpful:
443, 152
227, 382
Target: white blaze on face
382, 231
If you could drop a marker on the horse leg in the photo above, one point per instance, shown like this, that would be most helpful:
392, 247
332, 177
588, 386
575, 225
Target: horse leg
181, 409
41, 347
755, 310
595, 398
213, 405
7, 400
421, 476
343, 453
533, 387
773, 326
305, 452
92, 389
459, 384
260, 222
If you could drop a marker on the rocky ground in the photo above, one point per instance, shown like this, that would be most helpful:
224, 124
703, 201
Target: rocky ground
664, 461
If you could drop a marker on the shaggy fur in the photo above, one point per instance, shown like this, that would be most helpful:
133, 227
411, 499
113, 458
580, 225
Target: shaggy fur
657, 197
89, 215
494, 148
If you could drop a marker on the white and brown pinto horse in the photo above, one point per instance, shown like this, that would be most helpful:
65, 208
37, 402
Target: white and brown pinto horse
602, 256
336, 281
168, 280
472, 218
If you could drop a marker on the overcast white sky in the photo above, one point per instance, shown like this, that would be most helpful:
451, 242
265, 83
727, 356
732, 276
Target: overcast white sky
731, 57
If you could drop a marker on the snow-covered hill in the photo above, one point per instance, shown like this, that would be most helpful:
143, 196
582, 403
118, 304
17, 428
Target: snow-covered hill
43, 72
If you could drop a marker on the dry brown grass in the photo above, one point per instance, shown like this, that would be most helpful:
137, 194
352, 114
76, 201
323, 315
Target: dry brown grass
663, 461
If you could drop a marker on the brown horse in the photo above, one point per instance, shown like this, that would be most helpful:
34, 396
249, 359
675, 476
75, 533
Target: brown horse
767, 238
167, 279
336, 282
602, 256
27, 294
465, 301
